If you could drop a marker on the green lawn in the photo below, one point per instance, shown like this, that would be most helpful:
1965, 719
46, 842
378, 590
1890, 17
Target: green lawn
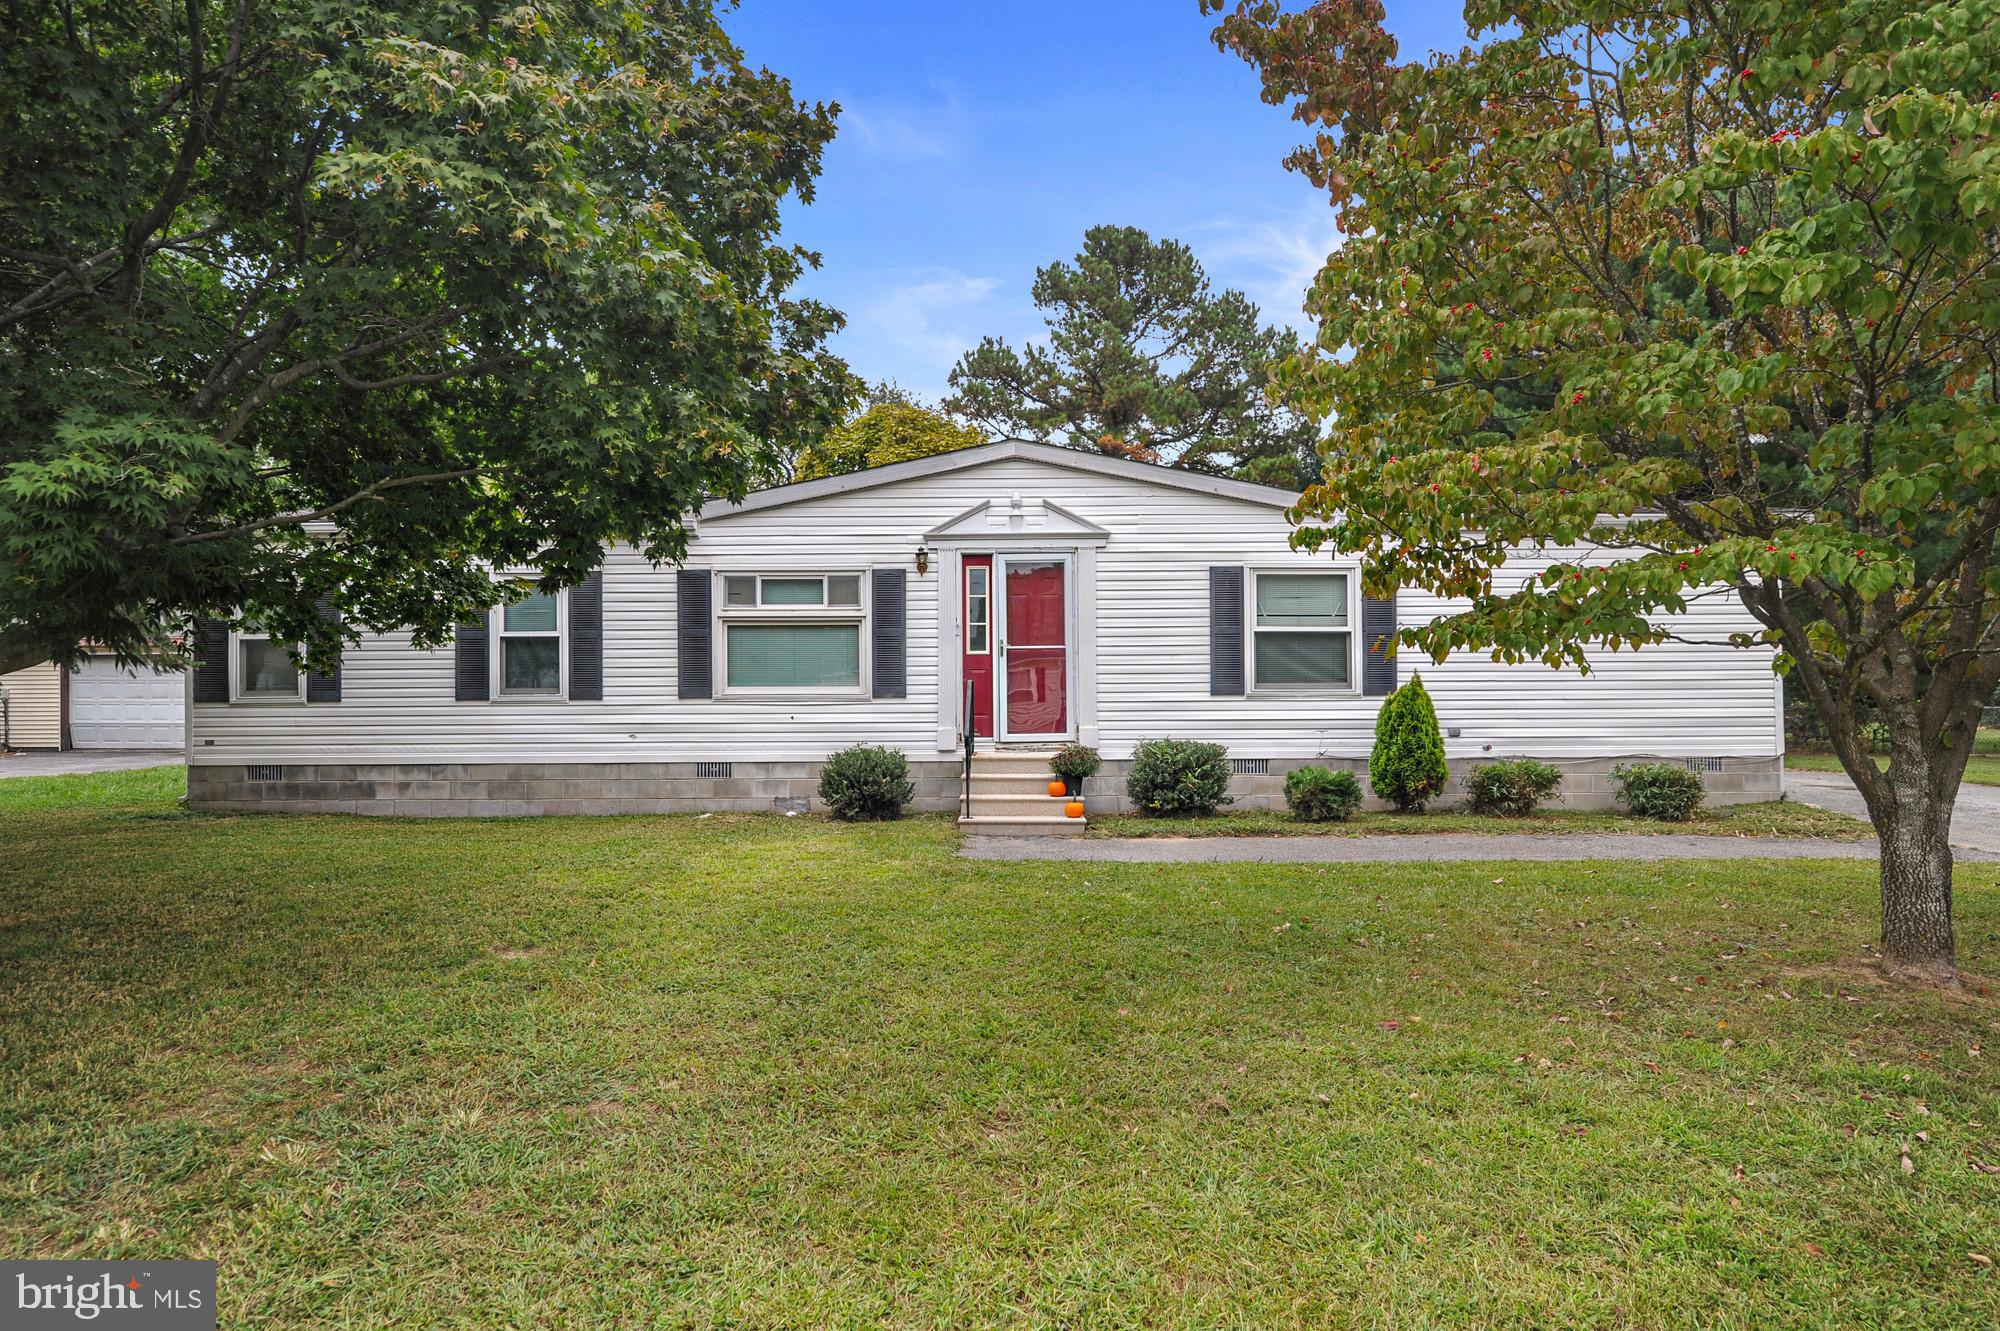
1776, 818
765, 1072
1980, 769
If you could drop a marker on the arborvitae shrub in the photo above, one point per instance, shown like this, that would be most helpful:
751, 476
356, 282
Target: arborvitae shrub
1407, 767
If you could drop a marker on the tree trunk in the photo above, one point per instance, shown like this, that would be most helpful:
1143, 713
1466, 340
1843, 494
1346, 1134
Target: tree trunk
1913, 820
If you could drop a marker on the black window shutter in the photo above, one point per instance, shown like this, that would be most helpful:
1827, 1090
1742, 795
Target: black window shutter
1378, 635
471, 665
586, 639
890, 618
211, 660
694, 594
325, 688
1225, 631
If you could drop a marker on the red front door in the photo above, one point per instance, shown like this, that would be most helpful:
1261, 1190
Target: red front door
1035, 645
975, 601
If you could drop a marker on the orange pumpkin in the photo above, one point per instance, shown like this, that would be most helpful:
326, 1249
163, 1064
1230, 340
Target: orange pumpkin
1073, 809
1058, 788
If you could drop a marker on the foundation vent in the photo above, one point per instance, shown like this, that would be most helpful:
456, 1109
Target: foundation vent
264, 774
714, 771
1250, 766
1704, 764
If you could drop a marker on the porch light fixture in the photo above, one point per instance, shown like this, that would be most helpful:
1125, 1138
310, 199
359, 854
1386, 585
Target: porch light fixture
923, 558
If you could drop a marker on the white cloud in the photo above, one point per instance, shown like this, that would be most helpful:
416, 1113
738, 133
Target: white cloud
914, 330
1271, 260
936, 129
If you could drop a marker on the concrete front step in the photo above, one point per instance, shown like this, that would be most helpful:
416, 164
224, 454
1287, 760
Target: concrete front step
1011, 762
1013, 806
984, 825
1011, 783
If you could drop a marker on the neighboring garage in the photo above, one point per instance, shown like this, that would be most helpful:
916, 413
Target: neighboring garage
113, 708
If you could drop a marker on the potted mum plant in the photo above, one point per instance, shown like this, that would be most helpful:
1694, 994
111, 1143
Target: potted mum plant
1074, 763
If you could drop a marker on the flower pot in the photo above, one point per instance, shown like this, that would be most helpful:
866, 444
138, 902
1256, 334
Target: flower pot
1073, 787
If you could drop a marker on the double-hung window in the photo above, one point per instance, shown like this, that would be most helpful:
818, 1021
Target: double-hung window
1302, 637
530, 647
264, 670
787, 633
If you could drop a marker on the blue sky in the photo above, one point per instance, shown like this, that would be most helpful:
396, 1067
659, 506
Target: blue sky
980, 138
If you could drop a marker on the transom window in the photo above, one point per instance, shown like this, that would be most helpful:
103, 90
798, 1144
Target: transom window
264, 670
791, 632
750, 591
1301, 638
531, 646
978, 609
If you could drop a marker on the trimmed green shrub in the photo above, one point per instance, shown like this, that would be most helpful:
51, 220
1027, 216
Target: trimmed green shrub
1407, 767
1178, 777
1513, 788
866, 782
1321, 795
1075, 762
1667, 791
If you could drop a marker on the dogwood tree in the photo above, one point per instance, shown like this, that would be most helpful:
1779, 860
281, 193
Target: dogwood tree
1712, 287
307, 303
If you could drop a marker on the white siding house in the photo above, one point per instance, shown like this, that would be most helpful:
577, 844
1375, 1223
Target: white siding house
1111, 601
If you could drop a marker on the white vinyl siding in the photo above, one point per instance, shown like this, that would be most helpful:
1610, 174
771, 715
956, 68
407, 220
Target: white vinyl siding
1143, 653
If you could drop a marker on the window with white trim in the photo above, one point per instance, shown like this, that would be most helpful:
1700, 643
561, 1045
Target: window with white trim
529, 647
791, 633
978, 609
1301, 634
265, 671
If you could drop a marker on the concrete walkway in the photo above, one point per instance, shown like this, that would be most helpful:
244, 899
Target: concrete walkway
1975, 820
85, 760
1403, 849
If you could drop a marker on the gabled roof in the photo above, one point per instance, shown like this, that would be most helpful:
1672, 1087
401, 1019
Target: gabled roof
1074, 459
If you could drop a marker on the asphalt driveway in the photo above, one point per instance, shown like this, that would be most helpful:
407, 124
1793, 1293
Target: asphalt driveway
84, 760
1975, 822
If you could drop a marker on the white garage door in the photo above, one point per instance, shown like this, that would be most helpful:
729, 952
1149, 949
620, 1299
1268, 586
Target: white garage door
111, 708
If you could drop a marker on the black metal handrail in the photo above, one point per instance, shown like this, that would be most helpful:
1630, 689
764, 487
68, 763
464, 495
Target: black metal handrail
971, 734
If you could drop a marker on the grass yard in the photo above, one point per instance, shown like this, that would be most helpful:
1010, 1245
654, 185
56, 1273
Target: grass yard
1775, 818
766, 1072
1981, 769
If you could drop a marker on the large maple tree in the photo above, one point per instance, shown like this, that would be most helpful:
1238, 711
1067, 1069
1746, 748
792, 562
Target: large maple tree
1710, 290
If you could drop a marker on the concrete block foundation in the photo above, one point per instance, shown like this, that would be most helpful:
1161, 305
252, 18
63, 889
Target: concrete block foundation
445, 790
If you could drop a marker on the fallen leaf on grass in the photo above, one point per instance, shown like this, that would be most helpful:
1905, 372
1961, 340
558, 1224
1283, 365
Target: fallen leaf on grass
1909, 1165
1813, 1250
1981, 1258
